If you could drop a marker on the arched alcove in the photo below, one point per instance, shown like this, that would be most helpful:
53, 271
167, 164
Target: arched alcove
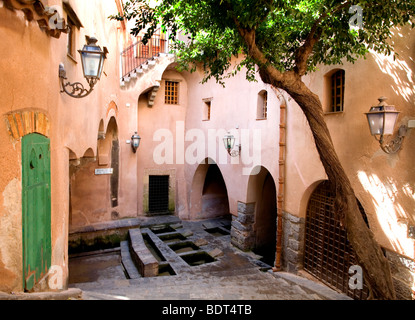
209, 196
94, 181
262, 191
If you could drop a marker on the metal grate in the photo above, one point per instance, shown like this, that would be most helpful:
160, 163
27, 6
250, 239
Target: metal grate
337, 87
171, 92
328, 254
265, 105
158, 201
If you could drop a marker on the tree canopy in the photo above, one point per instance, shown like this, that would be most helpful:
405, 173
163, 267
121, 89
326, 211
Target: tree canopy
293, 35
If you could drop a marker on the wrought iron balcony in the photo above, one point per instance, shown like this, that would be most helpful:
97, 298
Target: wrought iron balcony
138, 53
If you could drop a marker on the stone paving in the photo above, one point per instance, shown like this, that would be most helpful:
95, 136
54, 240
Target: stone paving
235, 275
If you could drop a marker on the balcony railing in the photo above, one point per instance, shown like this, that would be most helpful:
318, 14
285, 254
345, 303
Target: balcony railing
135, 55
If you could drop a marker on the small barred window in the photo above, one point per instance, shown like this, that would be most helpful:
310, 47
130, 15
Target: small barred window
171, 92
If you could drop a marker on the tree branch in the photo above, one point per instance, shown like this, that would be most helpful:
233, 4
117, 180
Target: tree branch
303, 53
269, 74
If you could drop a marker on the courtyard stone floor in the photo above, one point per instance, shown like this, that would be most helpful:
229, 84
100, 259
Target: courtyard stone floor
234, 275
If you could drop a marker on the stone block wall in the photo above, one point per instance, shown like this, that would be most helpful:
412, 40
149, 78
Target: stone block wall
293, 242
242, 232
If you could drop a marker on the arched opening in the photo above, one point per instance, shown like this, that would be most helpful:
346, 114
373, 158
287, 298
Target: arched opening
328, 255
266, 219
214, 194
94, 181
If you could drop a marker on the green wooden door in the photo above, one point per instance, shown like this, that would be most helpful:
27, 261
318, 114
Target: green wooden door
36, 208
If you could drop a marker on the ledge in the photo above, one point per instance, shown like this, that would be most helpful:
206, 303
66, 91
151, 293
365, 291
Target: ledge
70, 294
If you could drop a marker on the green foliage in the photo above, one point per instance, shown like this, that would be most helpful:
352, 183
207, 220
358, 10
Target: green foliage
207, 32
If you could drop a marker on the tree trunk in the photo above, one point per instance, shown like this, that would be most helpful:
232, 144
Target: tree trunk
375, 266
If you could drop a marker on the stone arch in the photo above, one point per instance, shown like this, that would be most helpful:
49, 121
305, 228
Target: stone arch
306, 197
112, 110
208, 192
101, 130
256, 224
263, 192
105, 142
23, 122
89, 153
94, 193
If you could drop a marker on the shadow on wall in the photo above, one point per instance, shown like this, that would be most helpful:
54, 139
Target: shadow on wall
399, 68
387, 198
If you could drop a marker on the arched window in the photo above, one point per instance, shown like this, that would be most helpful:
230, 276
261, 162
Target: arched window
262, 105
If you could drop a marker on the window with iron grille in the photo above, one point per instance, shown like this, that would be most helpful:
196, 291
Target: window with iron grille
158, 201
262, 105
328, 255
171, 92
337, 91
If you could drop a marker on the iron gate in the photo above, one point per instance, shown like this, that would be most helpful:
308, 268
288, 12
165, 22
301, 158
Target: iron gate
328, 255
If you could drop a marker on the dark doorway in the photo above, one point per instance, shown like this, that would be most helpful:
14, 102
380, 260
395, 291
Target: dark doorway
214, 195
266, 222
158, 201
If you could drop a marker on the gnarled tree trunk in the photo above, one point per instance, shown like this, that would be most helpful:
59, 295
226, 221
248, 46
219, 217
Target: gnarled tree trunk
369, 254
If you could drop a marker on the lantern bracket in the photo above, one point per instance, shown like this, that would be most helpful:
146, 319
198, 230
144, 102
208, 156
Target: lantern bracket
76, 89
394, 145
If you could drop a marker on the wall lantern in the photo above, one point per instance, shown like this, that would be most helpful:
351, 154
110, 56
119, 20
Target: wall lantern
135, 142
382, 119
229, 143
92, 58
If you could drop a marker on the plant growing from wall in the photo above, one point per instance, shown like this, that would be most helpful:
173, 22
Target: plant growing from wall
283, 41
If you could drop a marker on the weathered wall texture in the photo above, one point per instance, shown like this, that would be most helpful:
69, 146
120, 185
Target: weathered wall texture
177, 139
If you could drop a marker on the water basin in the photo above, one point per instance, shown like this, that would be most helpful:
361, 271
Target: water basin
172, 237
197, 258
217, 232
183, 247
166, 270
163, 228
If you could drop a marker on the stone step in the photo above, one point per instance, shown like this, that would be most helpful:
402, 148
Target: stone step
146, 263
127, 261
311, 287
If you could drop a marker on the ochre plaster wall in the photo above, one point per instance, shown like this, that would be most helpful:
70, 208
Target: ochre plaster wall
383, 183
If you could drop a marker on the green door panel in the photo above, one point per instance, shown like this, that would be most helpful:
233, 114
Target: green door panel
36, 208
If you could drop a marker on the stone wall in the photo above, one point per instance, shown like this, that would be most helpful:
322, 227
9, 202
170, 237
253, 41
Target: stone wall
242, 233
293, 242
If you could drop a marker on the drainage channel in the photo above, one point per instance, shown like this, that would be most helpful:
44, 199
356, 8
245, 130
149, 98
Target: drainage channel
175, 249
